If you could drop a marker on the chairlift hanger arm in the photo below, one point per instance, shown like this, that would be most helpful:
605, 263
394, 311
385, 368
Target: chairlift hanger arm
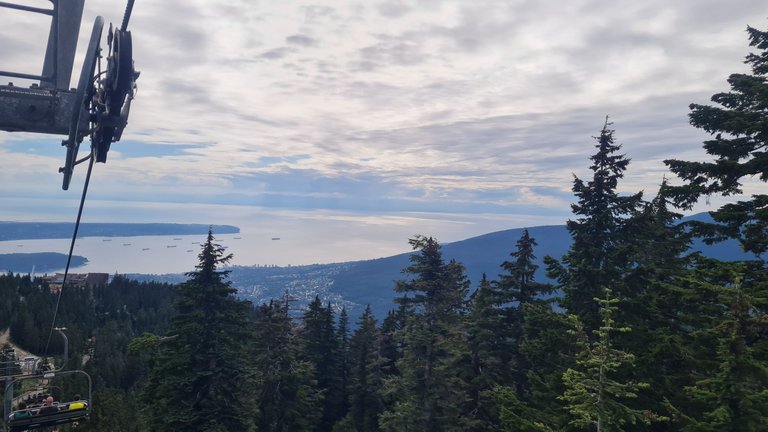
27, 8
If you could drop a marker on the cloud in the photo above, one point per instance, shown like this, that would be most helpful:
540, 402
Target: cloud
398, 105
393, 9
301, 40
276, 53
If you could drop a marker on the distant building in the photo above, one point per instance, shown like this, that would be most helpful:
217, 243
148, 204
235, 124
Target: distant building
56, 282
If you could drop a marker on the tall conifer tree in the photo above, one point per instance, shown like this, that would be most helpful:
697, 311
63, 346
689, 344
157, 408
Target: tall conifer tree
201, 381
342, 335
729, 373
595, 396
487, 353
517, 289
732, 395
592, 264
657, 248
287, 396
740, 146
428, 394
320, 347
365, 403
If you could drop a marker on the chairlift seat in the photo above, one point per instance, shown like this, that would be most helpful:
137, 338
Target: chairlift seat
67, 413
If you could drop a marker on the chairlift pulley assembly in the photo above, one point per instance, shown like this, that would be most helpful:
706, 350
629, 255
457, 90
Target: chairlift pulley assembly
97, 108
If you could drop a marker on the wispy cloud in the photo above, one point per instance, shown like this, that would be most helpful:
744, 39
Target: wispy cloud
395, 105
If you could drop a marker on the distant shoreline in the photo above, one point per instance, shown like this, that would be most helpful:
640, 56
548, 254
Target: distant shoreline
42, 262
10, 231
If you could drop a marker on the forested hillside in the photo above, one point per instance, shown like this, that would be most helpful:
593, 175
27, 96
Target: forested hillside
643, 336
341, 284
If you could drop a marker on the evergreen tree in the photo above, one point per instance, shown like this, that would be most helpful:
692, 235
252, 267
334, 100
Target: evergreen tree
729, 377
113, 411
487, 353
550, 351
390, 346
342, 335
518, 284
365, 403
320, 347
733, 396
200, 380
593, 394
9, 364
740, 146
516, 415
591, 265
287, 397
657, 248
518, 288
428, 394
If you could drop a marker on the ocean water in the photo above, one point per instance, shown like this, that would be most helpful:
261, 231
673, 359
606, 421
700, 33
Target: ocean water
300, 236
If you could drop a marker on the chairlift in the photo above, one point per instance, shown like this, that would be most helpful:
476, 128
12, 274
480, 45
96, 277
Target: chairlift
36, 416
100, 104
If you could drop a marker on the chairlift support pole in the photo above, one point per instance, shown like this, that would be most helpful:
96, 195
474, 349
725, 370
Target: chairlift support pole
7, 398
66, 346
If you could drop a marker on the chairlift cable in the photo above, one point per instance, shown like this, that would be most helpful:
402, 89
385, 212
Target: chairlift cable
127, 15
71, 248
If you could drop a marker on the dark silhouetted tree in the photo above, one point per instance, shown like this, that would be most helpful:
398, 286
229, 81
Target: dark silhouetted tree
429, 394
592, 263
201, 380
739, 123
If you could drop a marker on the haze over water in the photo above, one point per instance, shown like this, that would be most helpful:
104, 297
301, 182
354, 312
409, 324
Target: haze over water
305, 237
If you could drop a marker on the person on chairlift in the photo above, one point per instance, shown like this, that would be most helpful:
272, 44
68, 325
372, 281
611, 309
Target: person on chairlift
48, 407
21, 411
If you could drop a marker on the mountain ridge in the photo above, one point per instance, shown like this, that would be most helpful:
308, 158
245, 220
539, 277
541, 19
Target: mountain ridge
358, 283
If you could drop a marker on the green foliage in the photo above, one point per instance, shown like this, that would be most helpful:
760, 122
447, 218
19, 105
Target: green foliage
287, 398
518, 284
515, 415
200, 380
429, 392
740, 147
113, 411
734, 396
365, 402
518, 289
9, 365
550, 351
488, 357
593, 394
594, 261
9, 287
320, 347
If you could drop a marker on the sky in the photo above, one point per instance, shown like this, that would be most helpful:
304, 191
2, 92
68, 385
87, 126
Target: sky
456, 116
